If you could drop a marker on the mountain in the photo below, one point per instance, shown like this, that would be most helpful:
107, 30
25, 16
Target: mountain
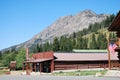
65, 25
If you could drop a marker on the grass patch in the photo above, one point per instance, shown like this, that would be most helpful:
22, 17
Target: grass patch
4, 72
80, 73
92, 72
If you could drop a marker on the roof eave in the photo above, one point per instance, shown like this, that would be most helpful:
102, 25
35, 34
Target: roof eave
112, 27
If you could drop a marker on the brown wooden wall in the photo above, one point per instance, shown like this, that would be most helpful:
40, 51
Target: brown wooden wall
43, 55
66, 65
12, 66
115, 64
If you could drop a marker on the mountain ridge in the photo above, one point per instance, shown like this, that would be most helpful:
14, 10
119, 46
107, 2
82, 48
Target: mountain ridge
65, 25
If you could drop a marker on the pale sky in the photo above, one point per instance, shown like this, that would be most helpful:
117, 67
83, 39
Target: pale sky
20, 20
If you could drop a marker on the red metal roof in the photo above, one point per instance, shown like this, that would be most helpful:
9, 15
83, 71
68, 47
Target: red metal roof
83, 56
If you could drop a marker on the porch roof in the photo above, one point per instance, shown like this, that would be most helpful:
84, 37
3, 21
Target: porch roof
84, 56
115, 25
38, 60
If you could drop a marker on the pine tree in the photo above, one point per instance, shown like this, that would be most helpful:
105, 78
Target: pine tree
62, 43
74, 42
79, 43
99, 42
40, 48
102, 41
20, 58
85, 41
69, 46
47, 47
93, 44
56, 44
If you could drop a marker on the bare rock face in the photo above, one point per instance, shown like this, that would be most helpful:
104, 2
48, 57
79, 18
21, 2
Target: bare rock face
65, 26
68, 24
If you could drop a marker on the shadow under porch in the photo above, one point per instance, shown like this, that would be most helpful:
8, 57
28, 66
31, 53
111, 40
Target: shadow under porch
44, 67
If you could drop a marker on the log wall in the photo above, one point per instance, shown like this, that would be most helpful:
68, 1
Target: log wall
67, 65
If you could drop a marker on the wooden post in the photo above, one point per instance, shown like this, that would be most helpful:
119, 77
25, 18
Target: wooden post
27, 69
27, 54
23, 67
31, 67
35, 66
52, 65
109, 63
40, 67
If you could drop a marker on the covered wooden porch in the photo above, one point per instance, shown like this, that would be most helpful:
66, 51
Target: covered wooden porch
115, 27
40, 62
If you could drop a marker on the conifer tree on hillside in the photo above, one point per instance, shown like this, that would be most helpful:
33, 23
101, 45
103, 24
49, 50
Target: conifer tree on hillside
85, 42
62, 43
69, 45
56, 44
104, 41
47, 47
79, 43
93, 43
99, 41
74, 42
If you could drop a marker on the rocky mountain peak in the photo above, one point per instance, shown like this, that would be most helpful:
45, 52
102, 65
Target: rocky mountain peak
65, 26
88, 13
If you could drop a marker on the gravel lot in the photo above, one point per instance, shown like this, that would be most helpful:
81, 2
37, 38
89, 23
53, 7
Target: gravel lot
38, 77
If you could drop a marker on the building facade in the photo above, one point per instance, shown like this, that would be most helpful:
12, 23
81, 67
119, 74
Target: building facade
50, 61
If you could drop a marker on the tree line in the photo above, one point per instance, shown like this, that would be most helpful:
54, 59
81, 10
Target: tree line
64, 44
13, 55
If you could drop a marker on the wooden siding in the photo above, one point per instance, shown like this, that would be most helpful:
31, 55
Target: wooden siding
67, 65
43, 55
12, 65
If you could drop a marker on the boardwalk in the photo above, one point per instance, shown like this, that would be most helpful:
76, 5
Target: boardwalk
38, 77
